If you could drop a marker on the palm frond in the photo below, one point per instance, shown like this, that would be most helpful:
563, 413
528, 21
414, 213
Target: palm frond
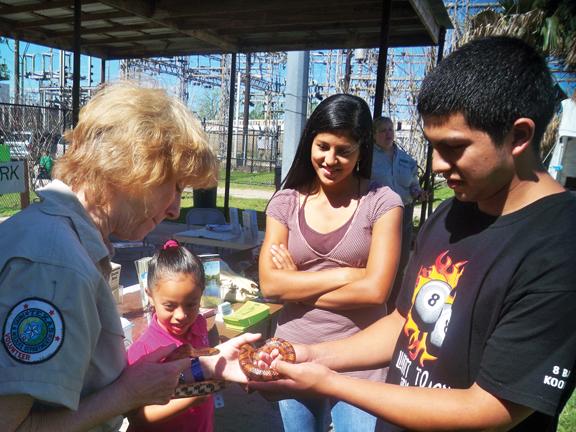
547, 24
550, 136
524, 26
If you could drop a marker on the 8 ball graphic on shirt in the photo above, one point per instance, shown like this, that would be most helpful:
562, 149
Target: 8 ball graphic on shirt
431, 313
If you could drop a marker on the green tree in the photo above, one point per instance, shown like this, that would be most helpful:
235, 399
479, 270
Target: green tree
257, 112
548, 24
208, 105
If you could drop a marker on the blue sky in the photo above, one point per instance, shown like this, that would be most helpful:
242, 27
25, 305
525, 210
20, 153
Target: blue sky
28, 49
40, 56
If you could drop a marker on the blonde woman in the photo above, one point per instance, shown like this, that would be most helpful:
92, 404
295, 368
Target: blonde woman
63, 363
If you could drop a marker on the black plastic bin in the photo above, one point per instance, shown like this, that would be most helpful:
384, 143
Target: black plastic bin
205, 198
277, 177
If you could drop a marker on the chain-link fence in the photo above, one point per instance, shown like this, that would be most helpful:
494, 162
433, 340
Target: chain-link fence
31, 133
255, 151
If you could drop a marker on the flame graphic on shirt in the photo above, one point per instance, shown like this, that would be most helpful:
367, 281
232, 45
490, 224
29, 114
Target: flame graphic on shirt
445, 271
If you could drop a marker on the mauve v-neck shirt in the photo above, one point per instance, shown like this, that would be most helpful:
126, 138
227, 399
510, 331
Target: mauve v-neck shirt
306, 324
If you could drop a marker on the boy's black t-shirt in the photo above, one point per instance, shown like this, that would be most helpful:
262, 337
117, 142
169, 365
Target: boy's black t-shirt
492, 300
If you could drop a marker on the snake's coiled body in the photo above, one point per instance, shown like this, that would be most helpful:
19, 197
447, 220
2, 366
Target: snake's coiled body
201, 388
248, 358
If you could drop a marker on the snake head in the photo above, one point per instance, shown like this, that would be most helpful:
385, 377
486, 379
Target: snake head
187, 351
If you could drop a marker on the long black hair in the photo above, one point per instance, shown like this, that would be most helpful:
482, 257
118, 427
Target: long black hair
337, 113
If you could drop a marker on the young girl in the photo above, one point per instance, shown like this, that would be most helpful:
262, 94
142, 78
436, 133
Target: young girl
175, 285
331, 249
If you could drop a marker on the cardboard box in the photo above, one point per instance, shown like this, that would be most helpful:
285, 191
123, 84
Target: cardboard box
247, 315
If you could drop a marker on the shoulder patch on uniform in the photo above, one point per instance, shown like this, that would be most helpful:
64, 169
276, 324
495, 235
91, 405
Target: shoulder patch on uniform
33, 331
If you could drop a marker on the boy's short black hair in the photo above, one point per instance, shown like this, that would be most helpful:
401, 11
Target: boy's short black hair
492, 82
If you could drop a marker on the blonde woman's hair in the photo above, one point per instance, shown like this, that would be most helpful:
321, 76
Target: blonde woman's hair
130, 138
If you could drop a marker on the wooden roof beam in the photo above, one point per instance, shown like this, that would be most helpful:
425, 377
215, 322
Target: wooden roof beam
312, 18
114, 27
164, 38
35, 7
232, 7
426, 15
146, 9
256, 30
86, 18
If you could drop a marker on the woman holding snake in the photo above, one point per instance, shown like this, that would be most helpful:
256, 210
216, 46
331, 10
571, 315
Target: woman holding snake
331, 249
62, 362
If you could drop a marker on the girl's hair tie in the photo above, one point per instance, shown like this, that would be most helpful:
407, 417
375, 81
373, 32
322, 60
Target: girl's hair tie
170, 244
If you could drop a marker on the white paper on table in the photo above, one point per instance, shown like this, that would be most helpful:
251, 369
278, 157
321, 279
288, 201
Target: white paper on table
206, 233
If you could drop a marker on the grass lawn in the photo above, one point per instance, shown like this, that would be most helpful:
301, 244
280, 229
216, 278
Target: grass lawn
568, 417
244, 203
10, 203
241, 203
240, 179
441, 193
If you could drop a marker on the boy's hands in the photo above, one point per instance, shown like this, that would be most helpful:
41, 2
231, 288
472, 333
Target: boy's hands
301, 379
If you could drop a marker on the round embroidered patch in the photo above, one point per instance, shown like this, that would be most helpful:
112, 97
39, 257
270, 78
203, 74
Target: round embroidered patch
33, 331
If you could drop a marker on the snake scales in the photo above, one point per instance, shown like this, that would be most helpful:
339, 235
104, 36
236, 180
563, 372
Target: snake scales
249, 356
247, 359
200, 388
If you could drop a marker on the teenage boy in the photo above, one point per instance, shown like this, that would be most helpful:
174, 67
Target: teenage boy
484, 333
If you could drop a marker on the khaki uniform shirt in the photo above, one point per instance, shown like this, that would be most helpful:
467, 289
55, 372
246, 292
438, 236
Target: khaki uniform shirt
61, 334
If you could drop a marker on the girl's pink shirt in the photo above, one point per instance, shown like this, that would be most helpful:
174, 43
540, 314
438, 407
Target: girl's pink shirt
199, 418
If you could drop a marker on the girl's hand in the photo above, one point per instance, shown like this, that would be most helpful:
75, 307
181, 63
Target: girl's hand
225, 366
281, 258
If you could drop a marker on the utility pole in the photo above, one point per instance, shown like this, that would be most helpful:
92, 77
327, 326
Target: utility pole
297, 69
76, 62
246, 114
16, 71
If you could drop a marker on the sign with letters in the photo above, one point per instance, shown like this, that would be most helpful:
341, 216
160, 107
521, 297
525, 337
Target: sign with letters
12, 177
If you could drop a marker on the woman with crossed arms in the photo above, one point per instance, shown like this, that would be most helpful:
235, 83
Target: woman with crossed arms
331, 249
